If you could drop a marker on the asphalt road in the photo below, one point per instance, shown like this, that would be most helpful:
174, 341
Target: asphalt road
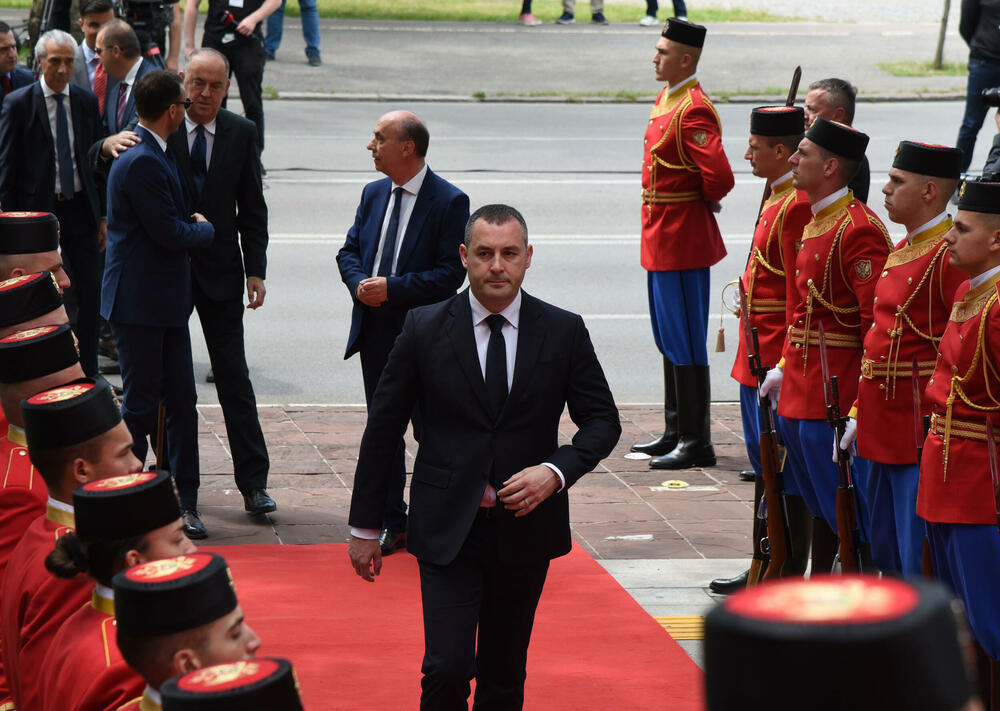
574, 172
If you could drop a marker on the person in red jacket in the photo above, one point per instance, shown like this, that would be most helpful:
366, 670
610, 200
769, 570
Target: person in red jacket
913, 299
775, 134
842, 253
75, 434
685, 173
120, 522
957, 494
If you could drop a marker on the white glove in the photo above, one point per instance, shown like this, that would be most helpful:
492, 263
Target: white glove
847, 441
771, 387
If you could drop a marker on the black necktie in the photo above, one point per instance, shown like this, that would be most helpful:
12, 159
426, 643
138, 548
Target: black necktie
496, 364
199, 160
389, 248
63, 151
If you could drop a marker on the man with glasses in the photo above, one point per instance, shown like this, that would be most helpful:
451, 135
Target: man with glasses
146, 294
218, 159
11, 76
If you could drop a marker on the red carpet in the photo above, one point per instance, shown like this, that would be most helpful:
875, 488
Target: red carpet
593, 647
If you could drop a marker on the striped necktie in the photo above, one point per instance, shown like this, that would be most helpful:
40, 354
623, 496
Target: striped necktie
122, 93
100, 85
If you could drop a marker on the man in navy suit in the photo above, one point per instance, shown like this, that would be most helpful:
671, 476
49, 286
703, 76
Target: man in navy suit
46, 130
491, 370
401, 252
11, 76
147, 284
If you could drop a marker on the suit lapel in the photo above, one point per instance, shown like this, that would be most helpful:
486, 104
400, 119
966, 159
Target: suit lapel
179, 145
76, 116
42, 111
421, 208
220, 149
530, 335
463, 342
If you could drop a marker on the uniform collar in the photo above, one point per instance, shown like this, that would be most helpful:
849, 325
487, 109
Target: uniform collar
983, 278
783, 183
823, 203
151, 700
60, 513
926, 230
16, 435
103, 599
683, 85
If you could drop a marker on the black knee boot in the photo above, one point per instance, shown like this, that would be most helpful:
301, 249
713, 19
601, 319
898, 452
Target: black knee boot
694, 445
668, 440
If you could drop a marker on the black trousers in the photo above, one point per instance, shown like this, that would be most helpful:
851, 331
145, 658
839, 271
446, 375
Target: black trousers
84, 266
477, 595
222, 324
246, 61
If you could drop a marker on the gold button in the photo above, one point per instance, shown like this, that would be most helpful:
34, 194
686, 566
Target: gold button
888, 331
809, 281
954, 369
21, 452
961, 337
885, 273
871, 327
881, 386
931, 381
651, 120
798, 345
645, 140
875, 300
796, 272
816, 257
909, 280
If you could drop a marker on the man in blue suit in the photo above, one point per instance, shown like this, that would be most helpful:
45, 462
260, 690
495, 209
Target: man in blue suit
11, 76
146, 295
401, 252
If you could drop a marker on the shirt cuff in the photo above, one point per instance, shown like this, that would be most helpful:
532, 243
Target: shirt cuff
562, 479
366, 533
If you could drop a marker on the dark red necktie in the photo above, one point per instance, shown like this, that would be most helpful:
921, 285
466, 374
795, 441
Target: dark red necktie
5, 81
100, 86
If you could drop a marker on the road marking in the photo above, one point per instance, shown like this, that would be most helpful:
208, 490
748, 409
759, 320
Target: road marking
633, 537
685, 489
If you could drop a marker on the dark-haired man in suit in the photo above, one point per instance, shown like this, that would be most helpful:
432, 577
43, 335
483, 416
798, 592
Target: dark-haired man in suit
491, 370
11, 75
146, 294
401, 252
46, 130
219, 164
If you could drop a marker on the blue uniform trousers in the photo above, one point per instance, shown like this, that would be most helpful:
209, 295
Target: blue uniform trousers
967, 558
750, 410
678, 310
897, 533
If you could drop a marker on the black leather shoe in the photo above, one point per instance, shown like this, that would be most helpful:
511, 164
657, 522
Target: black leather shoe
193, 527
210, 378
727, 586
389, 541
747, 475
688, 453
258, 502
109, 367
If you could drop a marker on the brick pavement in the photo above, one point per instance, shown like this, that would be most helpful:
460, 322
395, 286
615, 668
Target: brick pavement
619, 511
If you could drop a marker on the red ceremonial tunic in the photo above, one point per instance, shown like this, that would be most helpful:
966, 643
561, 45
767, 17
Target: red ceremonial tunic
684, 167
913, 301
955, 482
83, 669
147, 702
770, 275
34, 604
842, 253
22, 500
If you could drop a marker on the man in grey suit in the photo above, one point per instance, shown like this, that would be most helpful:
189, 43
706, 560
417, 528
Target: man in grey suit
94, 14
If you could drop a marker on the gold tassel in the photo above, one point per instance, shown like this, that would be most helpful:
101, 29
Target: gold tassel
720, 340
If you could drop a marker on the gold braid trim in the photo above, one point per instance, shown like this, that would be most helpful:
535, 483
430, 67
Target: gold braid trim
651, 196
817, 295
758, 257
988, 368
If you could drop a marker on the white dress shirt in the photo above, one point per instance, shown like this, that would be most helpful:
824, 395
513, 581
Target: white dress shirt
159, 141
981, 279
409, 198
50, 106
130, 82
192, 127
91, 59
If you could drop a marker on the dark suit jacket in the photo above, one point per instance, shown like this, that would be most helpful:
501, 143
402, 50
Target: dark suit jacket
233, 201
434, 364
27, 150
21, 77
428, 268
147, 277
130, 119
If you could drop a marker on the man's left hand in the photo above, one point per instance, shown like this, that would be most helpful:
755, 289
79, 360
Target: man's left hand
102, 234
246, 27
373, 291
255, 292
524, 491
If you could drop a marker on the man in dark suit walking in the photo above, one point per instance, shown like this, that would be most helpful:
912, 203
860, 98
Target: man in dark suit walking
401, 252
491, 370
219, 164
46, 130
11, 75
147, 285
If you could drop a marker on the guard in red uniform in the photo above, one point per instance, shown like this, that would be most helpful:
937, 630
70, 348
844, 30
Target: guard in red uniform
685, 173
260, 683
957, 496
120, 522
842, 253
30, 300
75, 434
775, 133
913, 300
177, 615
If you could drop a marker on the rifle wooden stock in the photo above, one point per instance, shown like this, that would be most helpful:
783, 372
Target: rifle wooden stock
846, 523
777, 533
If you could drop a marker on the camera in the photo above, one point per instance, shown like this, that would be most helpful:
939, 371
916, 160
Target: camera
991, 96
150, 20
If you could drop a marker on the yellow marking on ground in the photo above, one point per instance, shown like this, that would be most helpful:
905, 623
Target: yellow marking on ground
683, 627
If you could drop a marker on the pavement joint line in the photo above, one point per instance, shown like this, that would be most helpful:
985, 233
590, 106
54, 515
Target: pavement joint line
661, 516
320, 455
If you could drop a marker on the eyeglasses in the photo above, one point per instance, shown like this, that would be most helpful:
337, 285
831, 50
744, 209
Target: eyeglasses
98, 50
186, 103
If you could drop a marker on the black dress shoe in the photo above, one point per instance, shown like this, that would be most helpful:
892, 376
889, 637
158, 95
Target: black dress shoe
193, 527
258, 502
688, 453
389, 541
109, 367
664, 444
747, 475
727, 586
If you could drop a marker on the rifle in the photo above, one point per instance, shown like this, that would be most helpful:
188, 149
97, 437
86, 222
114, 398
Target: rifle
991, 448
775, 544
847, 504
793, 89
